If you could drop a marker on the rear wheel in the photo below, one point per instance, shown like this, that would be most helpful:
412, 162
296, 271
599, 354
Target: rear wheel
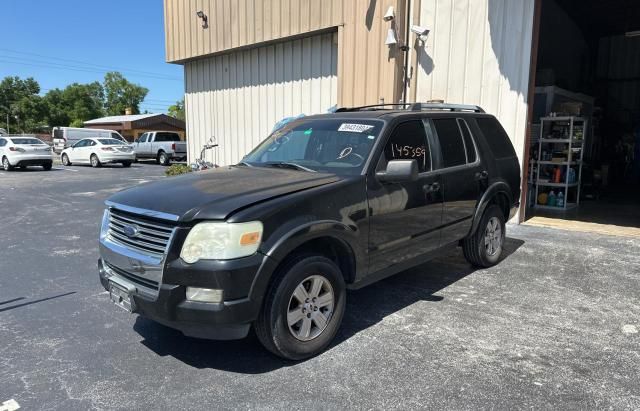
484, 247
126, 164
163, 158
303, 309
6, 165
65, 160
46, 166
95, 161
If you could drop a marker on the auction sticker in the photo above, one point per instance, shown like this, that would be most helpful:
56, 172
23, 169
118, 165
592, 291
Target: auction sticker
355, 128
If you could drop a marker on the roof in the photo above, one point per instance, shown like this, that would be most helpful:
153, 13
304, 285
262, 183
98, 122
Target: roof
120, 119
128, 122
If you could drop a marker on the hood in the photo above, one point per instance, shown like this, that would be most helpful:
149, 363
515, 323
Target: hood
215, 194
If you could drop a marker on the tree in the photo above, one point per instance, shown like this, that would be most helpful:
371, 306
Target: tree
20, 98
121, 94
177, 110
56, 110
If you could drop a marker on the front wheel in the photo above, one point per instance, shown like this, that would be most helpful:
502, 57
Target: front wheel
95, 161
303, 309
484, 247
126, 164
65, 160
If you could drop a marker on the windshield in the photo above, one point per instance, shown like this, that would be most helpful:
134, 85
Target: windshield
336, 146
110, 142
26, 141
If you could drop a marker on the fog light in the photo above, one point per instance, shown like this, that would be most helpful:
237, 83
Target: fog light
204, 295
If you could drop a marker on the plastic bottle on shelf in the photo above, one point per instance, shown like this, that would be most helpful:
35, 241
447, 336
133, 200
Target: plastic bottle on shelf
551, 199
560, 199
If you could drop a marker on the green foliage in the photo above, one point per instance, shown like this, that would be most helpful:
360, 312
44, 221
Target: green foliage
120, 94
19, 98
177, 169
177, 110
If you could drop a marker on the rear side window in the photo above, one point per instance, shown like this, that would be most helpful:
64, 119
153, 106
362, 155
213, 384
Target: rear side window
451, 142
3, 142
167, 137
408, 142
496, 138
468, 141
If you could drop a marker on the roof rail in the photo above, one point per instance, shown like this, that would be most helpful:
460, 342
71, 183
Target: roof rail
371, 107
444, 106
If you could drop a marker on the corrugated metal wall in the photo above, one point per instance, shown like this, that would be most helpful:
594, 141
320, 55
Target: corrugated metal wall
238, 23
238, 97
478, 52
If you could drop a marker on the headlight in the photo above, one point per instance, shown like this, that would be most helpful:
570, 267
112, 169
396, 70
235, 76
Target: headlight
104, 227
221, 241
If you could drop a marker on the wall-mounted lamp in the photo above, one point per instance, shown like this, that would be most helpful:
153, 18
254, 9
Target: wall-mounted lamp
391, 37
205, 19
389, 15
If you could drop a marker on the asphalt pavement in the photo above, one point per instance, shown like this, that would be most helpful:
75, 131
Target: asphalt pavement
554, 326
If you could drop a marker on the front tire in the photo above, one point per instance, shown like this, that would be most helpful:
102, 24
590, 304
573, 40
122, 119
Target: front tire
65, 160
95, 161
484, 247
6, 165
47, 166
303, 309
126, 164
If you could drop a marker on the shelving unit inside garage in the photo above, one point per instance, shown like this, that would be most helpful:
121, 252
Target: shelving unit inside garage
560, 154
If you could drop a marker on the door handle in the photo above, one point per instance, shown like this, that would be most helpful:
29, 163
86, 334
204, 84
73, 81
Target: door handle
431, 188
481, 175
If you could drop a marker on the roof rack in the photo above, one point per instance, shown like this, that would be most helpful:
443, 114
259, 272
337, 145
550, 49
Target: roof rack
415, 107
371, 107
444, 106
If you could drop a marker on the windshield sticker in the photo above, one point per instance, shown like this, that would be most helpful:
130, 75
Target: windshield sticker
308, 132
355, 128
371, 137
344, 153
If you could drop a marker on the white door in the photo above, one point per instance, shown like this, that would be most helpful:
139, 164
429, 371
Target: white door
238, 97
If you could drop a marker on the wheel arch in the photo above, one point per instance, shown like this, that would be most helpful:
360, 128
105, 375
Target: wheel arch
499, 194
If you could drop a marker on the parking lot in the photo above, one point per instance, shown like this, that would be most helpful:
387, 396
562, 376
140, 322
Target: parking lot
554, 325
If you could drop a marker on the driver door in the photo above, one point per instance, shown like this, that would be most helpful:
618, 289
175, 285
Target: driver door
75, 154
405, 218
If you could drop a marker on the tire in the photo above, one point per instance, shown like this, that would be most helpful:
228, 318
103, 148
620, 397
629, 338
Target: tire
47, 166
126, 164
484, 247
6, 166
65, 160
308, 334
95, 161
163, 158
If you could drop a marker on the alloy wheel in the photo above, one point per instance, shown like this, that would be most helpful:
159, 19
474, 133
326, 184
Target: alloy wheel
5, 164
310, 308
493, 236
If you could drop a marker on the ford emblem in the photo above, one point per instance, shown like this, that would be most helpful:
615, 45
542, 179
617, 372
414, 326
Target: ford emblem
130, 230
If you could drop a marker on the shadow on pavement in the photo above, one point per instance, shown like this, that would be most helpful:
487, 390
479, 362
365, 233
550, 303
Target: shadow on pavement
32, 302
365, 308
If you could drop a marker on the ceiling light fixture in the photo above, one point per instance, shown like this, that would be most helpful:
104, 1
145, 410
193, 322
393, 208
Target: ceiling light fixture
632, 33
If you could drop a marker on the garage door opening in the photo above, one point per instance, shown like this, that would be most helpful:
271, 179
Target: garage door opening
584, 142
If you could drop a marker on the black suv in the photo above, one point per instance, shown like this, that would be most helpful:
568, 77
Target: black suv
325, 204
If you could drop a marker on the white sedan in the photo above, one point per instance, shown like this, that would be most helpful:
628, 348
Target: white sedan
24, 151
98, 151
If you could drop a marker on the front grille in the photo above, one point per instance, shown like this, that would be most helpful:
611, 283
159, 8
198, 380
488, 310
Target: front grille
145, 282
151, 237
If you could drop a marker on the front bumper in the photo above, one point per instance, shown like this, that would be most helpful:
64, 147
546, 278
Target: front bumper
166, 302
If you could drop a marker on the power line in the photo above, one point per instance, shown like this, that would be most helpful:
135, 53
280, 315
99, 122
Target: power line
83, 62
37, 63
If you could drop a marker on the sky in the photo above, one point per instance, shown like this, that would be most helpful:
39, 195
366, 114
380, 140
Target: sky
59, 42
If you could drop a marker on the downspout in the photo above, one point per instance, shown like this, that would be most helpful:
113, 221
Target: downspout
406, 49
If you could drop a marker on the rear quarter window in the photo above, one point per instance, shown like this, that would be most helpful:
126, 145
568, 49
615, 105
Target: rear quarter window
496, 138
160, 137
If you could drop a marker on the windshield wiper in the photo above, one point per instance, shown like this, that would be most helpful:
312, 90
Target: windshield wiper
285, 164
244, 163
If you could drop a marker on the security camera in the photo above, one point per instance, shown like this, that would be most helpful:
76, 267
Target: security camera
419, 30
390, 14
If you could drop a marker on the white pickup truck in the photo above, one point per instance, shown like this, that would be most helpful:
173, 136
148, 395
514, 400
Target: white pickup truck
163, 146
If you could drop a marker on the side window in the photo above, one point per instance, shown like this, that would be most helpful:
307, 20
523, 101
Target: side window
408, 142
451, 142
3, 142
81, 143
468, 141
92, 143
143, 138
496, 137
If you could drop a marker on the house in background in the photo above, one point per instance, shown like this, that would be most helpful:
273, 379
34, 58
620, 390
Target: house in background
132, 126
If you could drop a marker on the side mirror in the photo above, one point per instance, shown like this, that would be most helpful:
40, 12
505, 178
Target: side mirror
399, 171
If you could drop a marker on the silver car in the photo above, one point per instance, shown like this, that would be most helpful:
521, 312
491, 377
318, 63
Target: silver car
24, 151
